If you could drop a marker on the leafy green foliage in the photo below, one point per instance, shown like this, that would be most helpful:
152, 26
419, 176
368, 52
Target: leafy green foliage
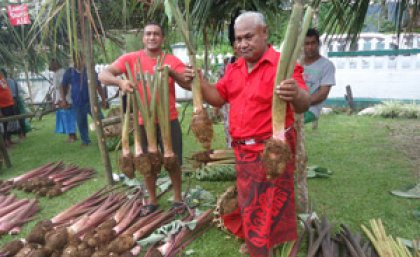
398, 110
216, 173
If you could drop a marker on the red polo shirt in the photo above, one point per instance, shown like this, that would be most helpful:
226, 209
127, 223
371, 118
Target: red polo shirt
250, 96
148, 65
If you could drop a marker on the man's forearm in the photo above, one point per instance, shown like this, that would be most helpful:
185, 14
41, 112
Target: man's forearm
180, 79
320, 95
210, 94
108, 78
302, 102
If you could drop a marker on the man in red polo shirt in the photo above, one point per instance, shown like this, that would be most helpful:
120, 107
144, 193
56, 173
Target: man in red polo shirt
266, 215
153, 38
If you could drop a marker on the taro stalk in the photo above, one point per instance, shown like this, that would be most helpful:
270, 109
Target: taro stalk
141, 160
277, 152
170, 160
201, 124
153, 158
126, 158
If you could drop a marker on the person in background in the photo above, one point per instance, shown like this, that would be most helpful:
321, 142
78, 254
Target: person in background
75, 80
6, 106
65, 118
319, 75
153, 39
266, 214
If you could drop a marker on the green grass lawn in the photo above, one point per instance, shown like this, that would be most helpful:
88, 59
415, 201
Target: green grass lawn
366, 162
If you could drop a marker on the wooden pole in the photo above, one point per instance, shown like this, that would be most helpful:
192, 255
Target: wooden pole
89, 61
349, 98
4, 153
16, 117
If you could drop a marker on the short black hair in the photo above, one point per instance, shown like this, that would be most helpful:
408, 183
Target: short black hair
154, 23
312, 32
3, 71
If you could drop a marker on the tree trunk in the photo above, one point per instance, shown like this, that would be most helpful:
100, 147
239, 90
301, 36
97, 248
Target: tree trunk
29, 84
89, 61
301, 163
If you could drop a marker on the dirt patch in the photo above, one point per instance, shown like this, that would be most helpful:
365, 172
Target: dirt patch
405, 137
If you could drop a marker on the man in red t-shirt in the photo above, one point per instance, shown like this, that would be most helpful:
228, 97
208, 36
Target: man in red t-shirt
266, 215
153, 38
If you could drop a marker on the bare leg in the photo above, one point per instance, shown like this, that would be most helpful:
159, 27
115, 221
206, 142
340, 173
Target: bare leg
176, 184
150, 182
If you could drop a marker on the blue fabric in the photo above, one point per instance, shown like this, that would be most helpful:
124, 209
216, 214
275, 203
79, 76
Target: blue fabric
65, 122
79, 85
82, 112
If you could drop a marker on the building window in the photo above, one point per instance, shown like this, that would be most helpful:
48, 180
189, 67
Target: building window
380, 45
367, 45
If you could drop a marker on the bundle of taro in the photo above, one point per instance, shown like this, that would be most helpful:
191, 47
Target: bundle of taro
52, 179
324, 241
176, 236
14, 213
5, 187
107, 223
213, 157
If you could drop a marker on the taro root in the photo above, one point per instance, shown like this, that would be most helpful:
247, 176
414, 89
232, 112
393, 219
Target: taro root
87, 252
202, 127
54, 191
37, 234
126, 165
171, 164
105, 235
100, 253
203, 156
38, 253
24, 252
13, 247
155, 161
275, 157
277, 152
226, 204
56, 239
70, 251
142, 164
121, 244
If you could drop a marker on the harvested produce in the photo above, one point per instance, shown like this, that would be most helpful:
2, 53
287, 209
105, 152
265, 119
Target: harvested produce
14, 213
277, 152
201, 124
52, 179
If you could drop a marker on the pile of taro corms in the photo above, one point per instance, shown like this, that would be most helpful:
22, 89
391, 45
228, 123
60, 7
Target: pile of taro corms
52, 179
108, 223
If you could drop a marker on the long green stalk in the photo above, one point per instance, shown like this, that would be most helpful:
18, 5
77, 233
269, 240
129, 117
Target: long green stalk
279, 106
163, 111
125, 141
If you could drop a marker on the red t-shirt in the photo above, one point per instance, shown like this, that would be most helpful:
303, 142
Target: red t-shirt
148, 65
6, 97
250, 96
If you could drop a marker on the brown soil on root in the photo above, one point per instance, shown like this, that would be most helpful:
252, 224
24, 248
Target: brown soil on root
105, 235
56, 239
202, 127
228, 201
143, 165
203, 156
37, 234
126, 165
171, 164
121, 244
276, 155
156, 162
153, 252
12, 247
